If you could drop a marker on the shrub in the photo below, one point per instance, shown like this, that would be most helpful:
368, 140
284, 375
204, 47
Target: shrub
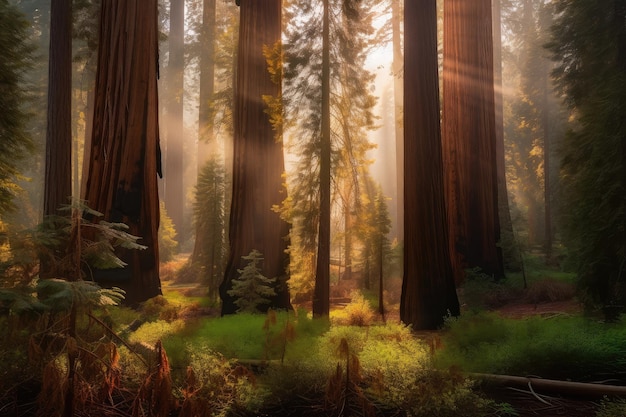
359, 311
216, 386
480, 291
158, 308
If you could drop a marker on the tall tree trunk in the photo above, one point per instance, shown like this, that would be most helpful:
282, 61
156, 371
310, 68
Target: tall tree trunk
397, 65
545, 21
428, 291
547, 188
125, 155
469, 138
509, 245
173, 172
206, 145
58, 176
258, 163
321, 292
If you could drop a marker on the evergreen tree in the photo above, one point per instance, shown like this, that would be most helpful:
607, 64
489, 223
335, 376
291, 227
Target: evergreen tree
209, 252
589, 45
251, 290
528, 128
15, 144
340, 162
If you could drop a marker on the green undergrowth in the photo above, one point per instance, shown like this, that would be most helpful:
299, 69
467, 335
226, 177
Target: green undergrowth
561, 347
284, 360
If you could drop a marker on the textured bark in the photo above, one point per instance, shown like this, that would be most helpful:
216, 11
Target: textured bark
428, 291
58, 175
258, 163
173, 170
125, 156
469, 138
206, 145
321, 292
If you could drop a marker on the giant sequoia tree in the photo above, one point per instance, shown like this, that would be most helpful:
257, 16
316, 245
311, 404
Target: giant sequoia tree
589, 44
258, 163
428, 290
125, 156
469, 138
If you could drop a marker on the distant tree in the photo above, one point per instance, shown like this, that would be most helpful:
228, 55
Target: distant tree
173, 167
589, 46
125, 158
211, 47
510, 247
398, 73
206, 145
58, 172
15, 144
469, 138
327, 79
524, 126
258, 164
321, 292
210, 250
168, 246
376, 246
428, 290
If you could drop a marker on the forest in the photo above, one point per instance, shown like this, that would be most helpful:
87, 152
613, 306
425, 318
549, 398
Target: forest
312, 208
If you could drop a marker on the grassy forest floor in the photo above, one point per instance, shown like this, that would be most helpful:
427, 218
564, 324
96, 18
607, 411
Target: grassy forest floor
549, 294
286, 364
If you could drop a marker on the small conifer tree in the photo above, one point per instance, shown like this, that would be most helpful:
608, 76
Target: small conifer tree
251, 289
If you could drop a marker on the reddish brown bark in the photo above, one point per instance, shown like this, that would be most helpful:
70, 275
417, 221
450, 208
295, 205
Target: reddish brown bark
469, 138
258, 163
58, 176
125, 156
428, 291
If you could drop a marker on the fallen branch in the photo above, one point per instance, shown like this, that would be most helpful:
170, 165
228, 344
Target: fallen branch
582, 389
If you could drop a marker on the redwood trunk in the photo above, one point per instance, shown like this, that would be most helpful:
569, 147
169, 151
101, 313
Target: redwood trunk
58, 176
428, 291
469, 138
125, 156
258, 162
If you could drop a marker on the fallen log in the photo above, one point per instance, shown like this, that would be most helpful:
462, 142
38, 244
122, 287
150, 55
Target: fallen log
569, 388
